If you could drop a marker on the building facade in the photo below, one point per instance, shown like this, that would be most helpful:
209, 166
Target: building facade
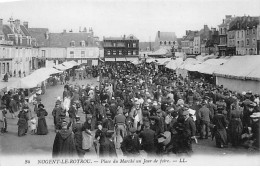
258, 38
121, 48
212, 42
165, 40
223, 30
55, 48
251, 40
16, 48
187, 43
231, 43
245, 30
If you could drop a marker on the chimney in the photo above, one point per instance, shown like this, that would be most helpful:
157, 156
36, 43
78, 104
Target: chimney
11, 23
205, 27
223, 20
187, 32
17, 24
85, 29
158, 34
25, 24
124, 36
64, 30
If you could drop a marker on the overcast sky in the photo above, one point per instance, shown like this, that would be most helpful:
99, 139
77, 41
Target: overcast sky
143, 18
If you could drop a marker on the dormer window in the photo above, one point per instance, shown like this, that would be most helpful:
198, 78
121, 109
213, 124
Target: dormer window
165, 43
82, 43
169, 42
72, 43
161, 42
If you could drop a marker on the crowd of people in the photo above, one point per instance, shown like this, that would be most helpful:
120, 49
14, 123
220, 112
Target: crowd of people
142, 107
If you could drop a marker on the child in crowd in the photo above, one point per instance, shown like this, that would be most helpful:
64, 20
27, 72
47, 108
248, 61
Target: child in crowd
33, 125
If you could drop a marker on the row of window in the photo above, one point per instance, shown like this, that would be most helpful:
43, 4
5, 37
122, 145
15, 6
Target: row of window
82, 54
82, 43
167, 43
248, 32
241, 43
4, 68
130, 45
119, 52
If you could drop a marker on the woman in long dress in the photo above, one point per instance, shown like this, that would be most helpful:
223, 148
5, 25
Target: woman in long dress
23, 121
220, 122
42, 126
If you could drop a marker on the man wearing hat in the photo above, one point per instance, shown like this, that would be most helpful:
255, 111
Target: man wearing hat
64, 144
77, 129
107, 148
204, 117
190, 130
56, 113
148, 137
131, 145
119, 122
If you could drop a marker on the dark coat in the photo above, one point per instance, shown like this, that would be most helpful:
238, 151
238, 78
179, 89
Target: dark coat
42, 126
189, 127
131, 145
107, 149
22, 123
148, 140
64, 144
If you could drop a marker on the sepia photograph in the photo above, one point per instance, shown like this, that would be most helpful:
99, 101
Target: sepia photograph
129, 83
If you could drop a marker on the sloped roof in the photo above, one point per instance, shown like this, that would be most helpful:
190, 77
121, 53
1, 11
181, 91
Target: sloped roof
114, 38
24, 30
64, 39
40, 35
131, 37
243, 22
167, 36
190, 36
7, 30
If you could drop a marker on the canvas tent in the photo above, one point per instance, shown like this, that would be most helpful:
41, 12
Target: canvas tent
174, 64
211, 65
240, 73
35, 78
